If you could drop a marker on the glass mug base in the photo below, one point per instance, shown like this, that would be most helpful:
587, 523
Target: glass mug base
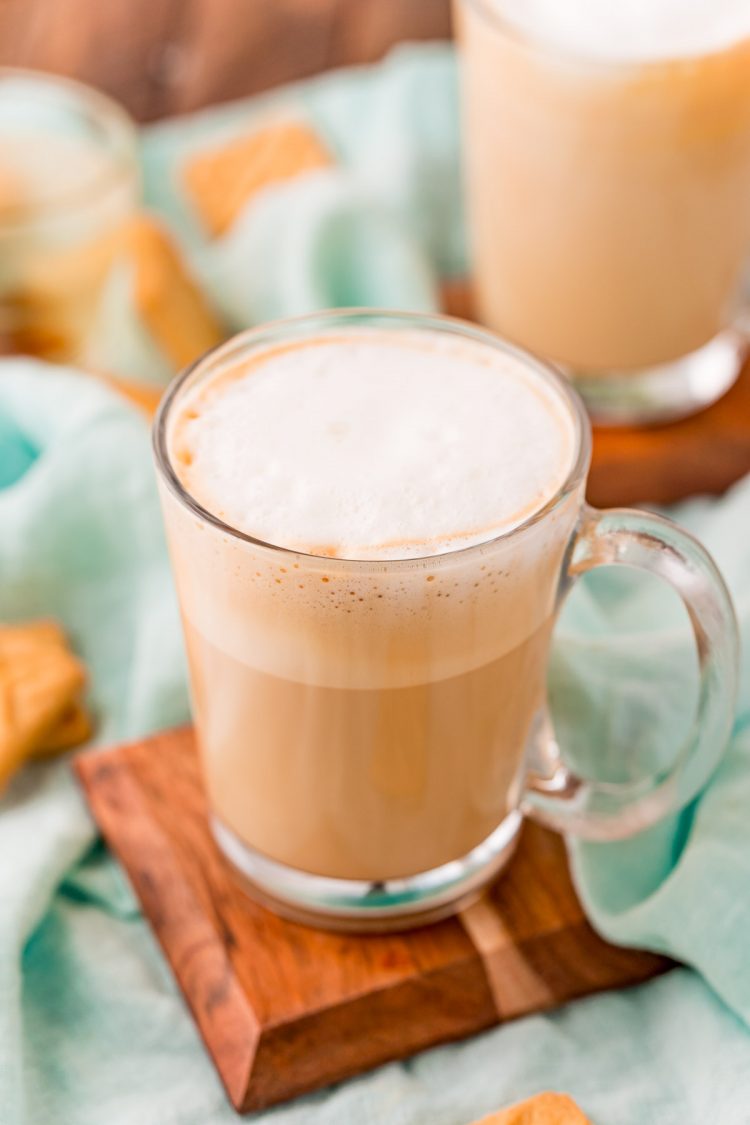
369, 907
667, 391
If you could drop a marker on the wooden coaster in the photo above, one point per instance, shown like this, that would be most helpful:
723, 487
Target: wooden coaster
284, 1009
703, 454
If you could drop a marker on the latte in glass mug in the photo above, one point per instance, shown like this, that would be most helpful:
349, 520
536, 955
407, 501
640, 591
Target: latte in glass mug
607, 160
370, 518
389, 709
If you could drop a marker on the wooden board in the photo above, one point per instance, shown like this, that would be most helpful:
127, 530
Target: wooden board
284, 1009
662, 464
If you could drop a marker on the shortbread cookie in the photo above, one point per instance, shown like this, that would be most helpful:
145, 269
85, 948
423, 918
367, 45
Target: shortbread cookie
173, 308
152, 318
41, 682
220, 181
73, 728
543, 1109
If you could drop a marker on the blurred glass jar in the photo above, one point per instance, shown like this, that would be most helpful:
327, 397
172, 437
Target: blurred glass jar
69, 181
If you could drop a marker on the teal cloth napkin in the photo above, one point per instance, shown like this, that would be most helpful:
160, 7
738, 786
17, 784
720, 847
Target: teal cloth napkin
92, 1028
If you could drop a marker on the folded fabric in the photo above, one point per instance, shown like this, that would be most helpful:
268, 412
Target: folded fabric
624, 663
323, 242
392, 129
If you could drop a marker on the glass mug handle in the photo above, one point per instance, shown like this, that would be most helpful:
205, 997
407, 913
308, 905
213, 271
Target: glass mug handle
597, 810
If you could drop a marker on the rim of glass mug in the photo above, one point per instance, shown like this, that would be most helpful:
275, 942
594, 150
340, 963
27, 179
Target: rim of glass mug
491, 11
110, 126
311, 324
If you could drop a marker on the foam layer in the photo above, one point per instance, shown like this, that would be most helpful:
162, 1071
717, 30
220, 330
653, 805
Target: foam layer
631, 29
375, 445
39, 167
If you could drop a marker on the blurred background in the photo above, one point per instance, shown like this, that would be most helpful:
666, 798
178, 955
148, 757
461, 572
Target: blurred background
163, 57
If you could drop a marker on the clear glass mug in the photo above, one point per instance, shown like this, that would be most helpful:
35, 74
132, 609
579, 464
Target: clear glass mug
69, 180
373, 732
609, 213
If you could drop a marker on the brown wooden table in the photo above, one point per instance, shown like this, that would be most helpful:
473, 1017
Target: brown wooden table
162, 57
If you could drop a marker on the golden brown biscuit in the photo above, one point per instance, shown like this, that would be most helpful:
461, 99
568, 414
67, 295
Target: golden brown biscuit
220, 181
542, 1109
28, 637
40, 680
173, 309
73, 728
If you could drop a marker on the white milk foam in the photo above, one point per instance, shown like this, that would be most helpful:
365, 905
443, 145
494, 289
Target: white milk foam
631, 29
375, 445
41, 166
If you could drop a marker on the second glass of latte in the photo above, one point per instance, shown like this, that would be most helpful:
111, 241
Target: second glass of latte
607, 159
373, 519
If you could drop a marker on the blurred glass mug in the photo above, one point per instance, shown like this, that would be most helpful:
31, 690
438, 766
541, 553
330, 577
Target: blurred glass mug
69, 179
609, 196
373, 730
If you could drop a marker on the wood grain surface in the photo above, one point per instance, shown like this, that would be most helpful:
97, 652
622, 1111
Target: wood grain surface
161, 57
704, 454
284, 1009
